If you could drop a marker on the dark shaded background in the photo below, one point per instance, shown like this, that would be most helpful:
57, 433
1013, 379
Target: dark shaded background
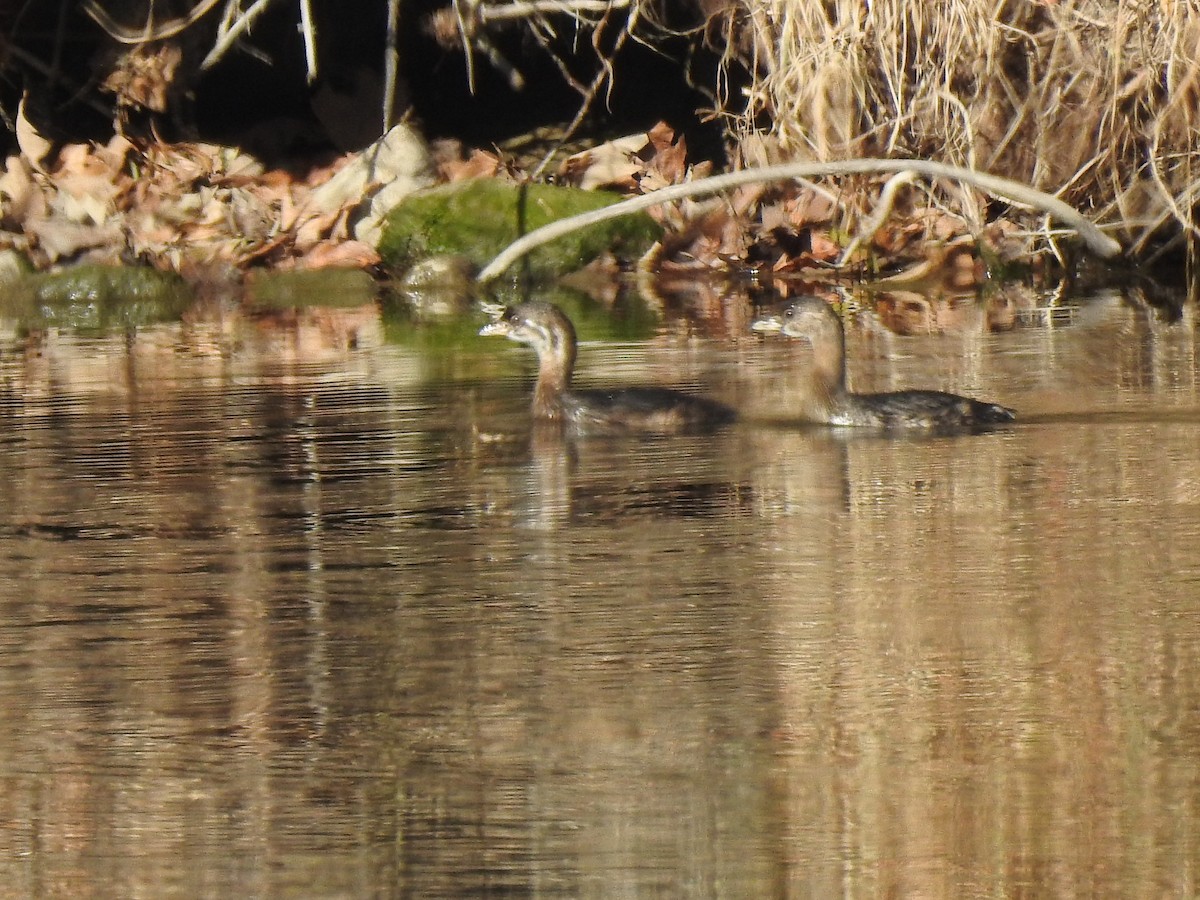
258, 95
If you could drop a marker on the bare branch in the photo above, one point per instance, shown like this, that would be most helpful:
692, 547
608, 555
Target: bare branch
229, 38
524, 9
151, 31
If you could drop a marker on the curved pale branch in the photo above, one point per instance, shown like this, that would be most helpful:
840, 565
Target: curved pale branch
151, 31
1014, 192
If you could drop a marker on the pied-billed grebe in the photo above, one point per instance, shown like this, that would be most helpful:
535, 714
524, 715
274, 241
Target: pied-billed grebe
813, 320
545, 328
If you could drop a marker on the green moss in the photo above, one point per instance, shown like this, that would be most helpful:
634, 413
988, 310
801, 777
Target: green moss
477, 219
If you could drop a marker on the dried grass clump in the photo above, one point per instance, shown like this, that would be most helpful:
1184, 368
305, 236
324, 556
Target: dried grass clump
1096, 101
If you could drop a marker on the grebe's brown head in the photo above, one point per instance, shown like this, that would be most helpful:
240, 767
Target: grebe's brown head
806, 318
543, 326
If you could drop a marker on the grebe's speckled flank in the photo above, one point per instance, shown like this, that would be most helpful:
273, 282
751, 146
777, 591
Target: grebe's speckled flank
811, 319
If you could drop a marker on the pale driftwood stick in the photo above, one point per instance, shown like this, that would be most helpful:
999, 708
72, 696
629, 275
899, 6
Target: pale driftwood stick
1015, 192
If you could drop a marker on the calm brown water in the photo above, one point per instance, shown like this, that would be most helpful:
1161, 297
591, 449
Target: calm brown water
344, 628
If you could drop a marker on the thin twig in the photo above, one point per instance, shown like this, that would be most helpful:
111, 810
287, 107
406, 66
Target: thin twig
883, 209
1014, 192
466, 30
310, 39
601, 78
571, 128
391, 64
230, 37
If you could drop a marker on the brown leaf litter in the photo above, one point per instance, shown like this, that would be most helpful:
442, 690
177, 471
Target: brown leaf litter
189, 207
196, 208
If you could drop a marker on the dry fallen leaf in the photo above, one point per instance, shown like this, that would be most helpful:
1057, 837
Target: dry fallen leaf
808, 207
314, 226
34, 147
59, 239
669, 161
17, 190
480, 164
84, 209
143, 76
614, 164
823, 248
339, 253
